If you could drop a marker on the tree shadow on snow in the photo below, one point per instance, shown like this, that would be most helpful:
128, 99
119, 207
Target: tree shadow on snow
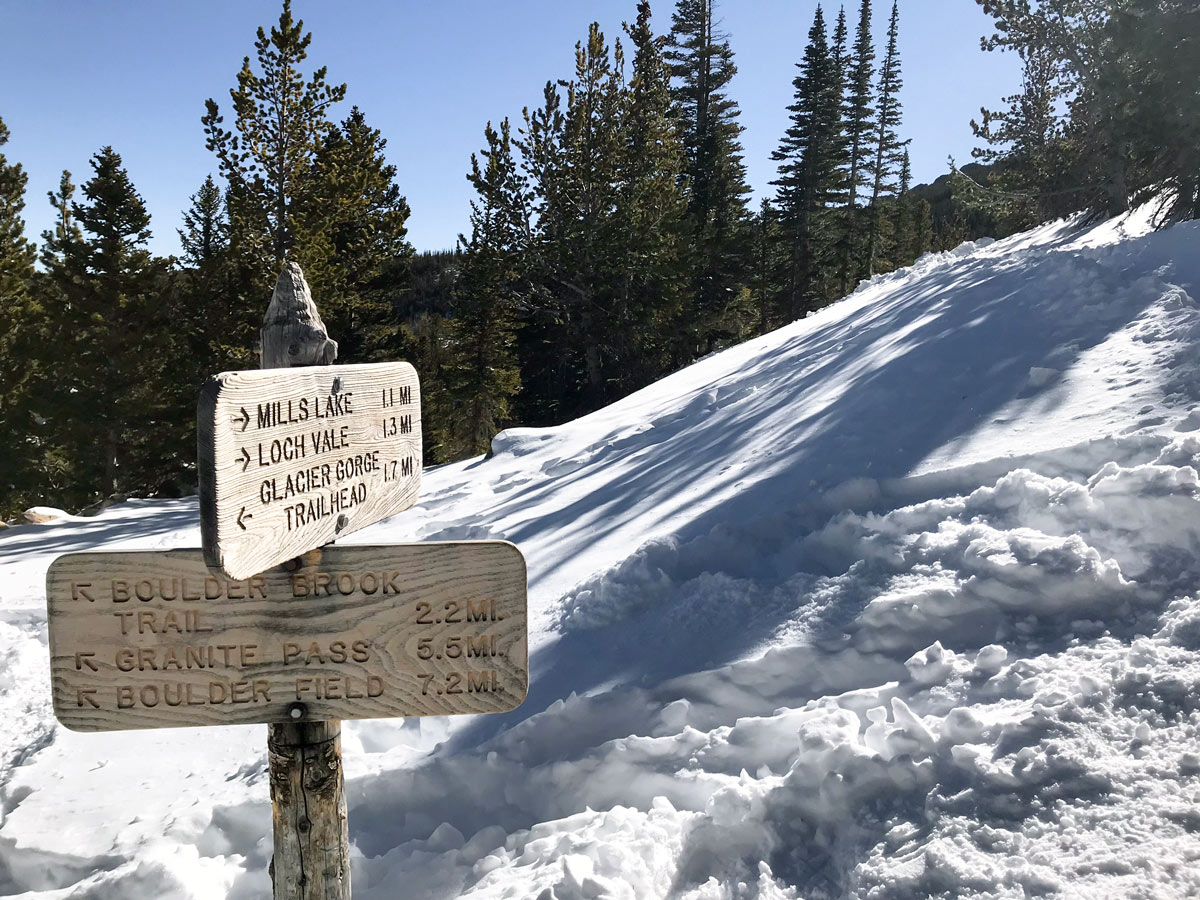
933, 362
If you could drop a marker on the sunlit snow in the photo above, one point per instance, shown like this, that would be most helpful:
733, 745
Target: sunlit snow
901, 600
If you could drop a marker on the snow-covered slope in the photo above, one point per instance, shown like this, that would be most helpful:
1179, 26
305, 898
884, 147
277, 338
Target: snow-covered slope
901, 600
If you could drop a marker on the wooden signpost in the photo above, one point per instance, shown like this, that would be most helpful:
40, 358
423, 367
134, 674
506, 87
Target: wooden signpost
156, 639
269, 622
290, 461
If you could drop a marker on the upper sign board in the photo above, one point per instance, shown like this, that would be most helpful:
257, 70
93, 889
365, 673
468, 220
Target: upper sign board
155, 639
291, 459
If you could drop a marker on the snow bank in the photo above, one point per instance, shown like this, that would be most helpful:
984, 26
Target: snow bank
901, 600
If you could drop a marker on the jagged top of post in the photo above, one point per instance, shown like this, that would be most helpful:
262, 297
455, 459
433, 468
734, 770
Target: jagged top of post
293, 333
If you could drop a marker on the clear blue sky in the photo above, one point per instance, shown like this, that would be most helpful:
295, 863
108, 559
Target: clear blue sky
135, 74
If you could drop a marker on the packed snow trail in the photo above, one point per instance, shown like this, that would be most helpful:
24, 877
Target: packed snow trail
901, 600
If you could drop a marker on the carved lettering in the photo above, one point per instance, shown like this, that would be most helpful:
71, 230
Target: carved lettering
352, 632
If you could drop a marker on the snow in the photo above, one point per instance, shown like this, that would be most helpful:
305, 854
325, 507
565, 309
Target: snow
901, 600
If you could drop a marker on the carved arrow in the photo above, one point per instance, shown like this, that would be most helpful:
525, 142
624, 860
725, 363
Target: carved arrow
84, 658
244, 418
245, 457
243, 515
86, 694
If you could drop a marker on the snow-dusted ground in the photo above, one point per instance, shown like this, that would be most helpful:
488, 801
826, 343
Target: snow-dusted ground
901, 600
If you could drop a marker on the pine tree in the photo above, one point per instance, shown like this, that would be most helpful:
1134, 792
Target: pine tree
204, 237
353, 224
888, 145
1029, 149
548, 361
20, 322
1164, 101
701, 65
839, 187
573, 157
483, 375
858, 113
1126, 74
809, 157
922, 241
204, 300
66, 231
764, 276
280, 123
119, 412
902, 217
650, 213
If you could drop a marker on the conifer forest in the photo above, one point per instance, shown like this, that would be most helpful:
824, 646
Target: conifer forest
611, 240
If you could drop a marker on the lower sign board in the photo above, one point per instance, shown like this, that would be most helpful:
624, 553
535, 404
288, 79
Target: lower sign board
290, 459
158, 639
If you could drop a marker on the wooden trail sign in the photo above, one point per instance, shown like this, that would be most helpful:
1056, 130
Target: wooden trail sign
156, 639
290, 459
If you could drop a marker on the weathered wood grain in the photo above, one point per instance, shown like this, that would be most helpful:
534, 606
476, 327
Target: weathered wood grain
308, 805
157, 639
291, 459
293, 333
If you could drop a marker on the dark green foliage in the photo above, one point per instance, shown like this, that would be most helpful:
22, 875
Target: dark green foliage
603, 210
203, 292
701, 66
113, 410
1127, 75
947, 202
482, 375
205, 235
573, 159
765, 266
1033, 171
902, 216
355, 253
651, 211
280, 124
888, 146
21, 321
858, 113
810, 157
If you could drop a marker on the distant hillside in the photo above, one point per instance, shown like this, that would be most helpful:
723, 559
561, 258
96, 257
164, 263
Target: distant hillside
951, 217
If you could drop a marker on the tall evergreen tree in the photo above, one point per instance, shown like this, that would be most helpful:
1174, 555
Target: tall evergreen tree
203, 299
839, 186
115, 387
281, 119
482, 375
650, 212
809, 157
20, 320
66, 231
902, 217
765, 266
701, 65
204, 237
547, 358
859, 114
922, 240
1128, 74
888, 145
574, 159
353, 225
1032, 180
